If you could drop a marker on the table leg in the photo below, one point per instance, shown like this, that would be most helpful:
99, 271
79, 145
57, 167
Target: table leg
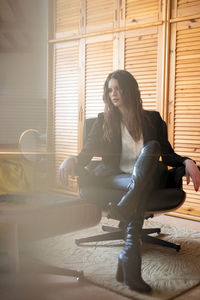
13, 247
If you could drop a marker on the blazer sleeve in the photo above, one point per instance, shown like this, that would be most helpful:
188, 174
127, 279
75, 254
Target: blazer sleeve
169, 157
93, 145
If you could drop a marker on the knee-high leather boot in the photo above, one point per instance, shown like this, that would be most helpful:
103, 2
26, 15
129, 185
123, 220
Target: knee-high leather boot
141, 184
129, 261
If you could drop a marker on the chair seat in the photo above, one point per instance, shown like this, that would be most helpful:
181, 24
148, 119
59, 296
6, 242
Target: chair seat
114, 187
165, 199
160, 200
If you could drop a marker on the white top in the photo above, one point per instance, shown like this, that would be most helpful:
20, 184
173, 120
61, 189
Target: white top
130, 150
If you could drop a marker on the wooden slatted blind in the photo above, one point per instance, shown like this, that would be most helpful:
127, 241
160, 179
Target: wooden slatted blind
66, 102
67, 17
141, 53
187, 7
99, 63
187, 106
99, 14
142, 11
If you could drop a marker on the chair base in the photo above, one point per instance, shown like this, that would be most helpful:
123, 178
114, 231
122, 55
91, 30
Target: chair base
114, 233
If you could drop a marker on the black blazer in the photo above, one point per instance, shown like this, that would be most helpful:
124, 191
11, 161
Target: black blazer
153, 128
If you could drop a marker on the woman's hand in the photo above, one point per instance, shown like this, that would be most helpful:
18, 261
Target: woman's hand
192, 171
67, 168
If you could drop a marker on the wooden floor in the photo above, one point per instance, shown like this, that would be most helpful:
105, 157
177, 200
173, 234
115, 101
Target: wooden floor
29, 286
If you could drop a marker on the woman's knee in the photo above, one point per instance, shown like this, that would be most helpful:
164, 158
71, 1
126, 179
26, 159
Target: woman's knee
152, 147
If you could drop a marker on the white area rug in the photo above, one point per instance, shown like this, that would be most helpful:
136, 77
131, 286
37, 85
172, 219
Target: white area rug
167, 271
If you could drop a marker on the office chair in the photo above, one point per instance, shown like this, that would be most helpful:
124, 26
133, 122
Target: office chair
161, 201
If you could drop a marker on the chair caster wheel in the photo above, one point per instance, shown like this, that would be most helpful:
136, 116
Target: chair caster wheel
158, 231
77, 242
80, 276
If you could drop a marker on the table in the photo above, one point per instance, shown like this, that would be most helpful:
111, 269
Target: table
44, 215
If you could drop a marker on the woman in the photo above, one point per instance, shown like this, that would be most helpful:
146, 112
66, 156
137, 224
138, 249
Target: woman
130, 140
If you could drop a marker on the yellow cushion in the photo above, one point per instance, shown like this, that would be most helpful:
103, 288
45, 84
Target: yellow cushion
16, 176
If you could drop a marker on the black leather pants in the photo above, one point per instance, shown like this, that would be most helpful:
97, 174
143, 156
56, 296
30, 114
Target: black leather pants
142, 181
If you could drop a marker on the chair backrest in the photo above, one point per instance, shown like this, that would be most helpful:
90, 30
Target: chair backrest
88, 123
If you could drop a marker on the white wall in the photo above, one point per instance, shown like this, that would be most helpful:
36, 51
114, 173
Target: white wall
23, 86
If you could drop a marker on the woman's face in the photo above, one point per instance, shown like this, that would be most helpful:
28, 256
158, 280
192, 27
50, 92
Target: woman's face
115, 93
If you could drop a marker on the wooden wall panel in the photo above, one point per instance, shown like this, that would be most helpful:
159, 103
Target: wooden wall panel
67, 17
100, 15
138, 12
141, 57
66, 102
187, 7
99, 63
187, 105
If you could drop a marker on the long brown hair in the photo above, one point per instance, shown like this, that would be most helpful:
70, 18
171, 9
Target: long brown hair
132, 101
